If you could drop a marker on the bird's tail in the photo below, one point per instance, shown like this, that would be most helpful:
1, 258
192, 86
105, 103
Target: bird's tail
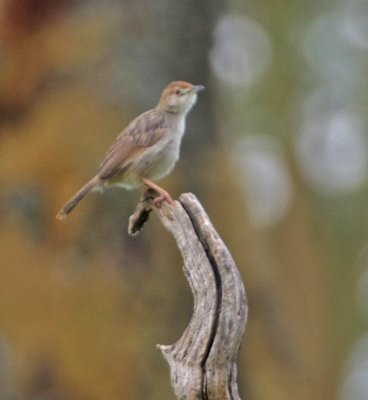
68, 207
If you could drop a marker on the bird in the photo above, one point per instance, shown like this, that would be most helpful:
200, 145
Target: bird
146, 150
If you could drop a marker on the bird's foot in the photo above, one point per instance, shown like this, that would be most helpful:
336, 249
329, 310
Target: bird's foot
163, 194
163, 197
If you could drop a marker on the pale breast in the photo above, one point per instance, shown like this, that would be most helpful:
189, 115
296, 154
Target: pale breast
156, 161
160, 159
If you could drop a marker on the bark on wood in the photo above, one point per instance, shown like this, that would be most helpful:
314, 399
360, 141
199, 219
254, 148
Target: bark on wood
203, 361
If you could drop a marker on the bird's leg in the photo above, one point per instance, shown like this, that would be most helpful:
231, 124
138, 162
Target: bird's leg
163, 195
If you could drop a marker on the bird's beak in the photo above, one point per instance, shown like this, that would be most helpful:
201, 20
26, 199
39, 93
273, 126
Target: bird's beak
197, 88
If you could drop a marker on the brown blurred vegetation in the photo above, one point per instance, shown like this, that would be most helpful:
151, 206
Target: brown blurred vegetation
82, 305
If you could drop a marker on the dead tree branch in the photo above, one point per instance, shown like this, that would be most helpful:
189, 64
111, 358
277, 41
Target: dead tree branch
203, 361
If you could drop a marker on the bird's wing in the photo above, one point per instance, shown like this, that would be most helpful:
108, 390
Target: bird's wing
143, 132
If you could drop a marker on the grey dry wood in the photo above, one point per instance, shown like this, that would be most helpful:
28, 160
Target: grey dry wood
203, 361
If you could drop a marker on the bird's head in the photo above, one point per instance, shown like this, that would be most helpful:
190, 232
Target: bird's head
179, 97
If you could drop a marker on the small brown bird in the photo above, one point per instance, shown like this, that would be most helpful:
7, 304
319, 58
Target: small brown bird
147, 149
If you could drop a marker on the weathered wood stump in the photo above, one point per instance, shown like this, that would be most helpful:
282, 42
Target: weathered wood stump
203, 361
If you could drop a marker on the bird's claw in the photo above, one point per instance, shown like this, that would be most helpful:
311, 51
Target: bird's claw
163, 197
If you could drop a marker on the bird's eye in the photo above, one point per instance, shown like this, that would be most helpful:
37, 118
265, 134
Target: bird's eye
178, 92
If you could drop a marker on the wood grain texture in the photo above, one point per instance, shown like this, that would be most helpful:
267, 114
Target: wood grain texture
203, 361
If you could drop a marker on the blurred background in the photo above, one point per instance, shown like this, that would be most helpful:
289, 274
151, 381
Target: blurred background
276, 150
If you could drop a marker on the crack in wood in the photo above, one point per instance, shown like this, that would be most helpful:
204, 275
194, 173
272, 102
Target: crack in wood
218, 299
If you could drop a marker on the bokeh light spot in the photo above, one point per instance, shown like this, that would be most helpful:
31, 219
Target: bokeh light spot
355, 22
328, 51
355, 385
332, 152
241, 51
265, 179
